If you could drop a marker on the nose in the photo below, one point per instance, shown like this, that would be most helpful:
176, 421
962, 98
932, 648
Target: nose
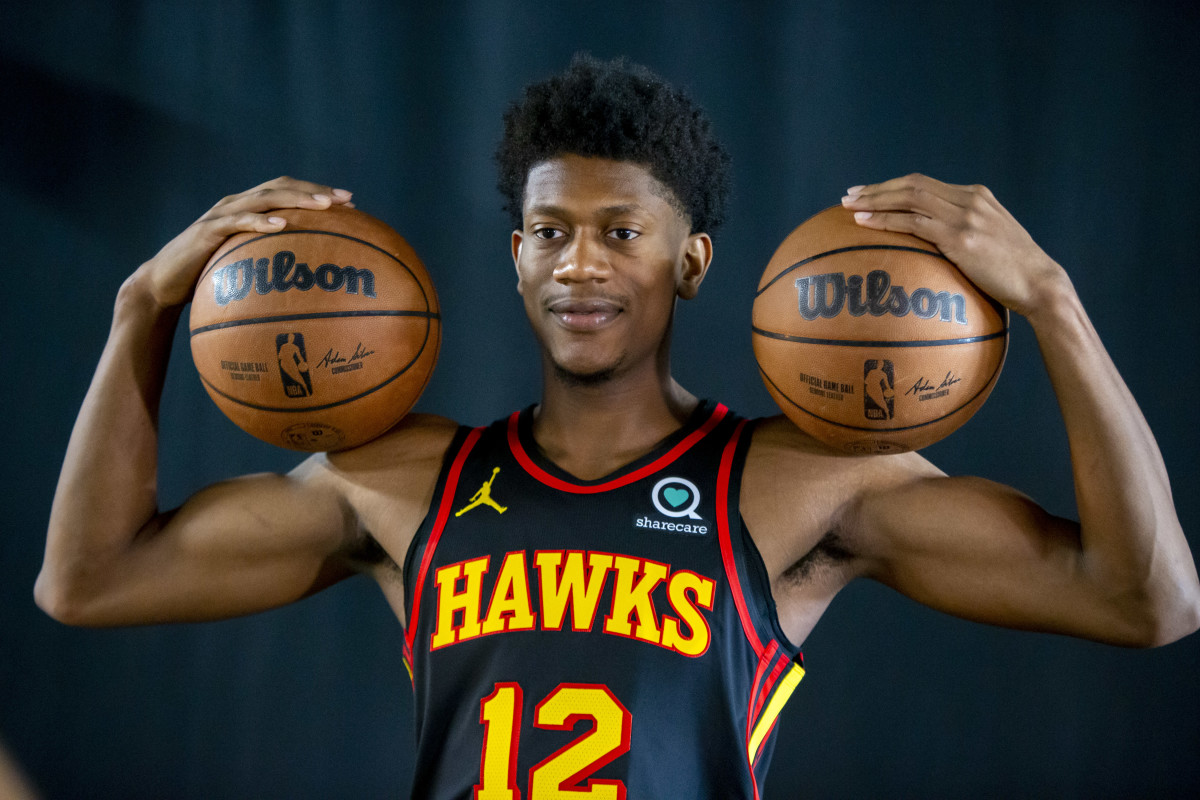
582, 260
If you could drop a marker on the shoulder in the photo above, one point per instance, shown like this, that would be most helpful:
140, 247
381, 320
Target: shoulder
415, 437
385, 485
780, 453
412, 450
778, 441
796, 490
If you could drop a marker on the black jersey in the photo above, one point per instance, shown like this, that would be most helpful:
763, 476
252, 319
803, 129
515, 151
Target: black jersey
593, 639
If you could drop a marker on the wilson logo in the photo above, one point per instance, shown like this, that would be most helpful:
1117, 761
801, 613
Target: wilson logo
233, 282
827, 295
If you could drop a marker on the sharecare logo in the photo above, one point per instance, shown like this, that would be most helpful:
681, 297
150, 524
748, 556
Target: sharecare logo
676, 497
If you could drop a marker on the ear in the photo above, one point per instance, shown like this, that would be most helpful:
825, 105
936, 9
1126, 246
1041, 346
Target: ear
697, 255
517, 238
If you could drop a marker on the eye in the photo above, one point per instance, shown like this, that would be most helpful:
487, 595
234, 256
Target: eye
624, 234
547, 233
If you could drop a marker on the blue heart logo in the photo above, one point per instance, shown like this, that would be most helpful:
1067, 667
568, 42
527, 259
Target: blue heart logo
676, 497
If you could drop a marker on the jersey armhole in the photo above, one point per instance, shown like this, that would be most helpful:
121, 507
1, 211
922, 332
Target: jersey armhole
412, 557
758, 580
760, 589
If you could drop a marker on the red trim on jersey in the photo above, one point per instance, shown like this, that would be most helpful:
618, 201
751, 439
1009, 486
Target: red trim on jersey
783, 664
766, 738
407, 654
438, 525
724, 475
772, 679
518, 451
756, 688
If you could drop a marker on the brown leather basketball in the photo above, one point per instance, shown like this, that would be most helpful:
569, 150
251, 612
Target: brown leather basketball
318, 337
872, 341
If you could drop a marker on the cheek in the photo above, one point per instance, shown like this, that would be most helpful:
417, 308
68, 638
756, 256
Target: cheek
657, 306
527, 278
663, 288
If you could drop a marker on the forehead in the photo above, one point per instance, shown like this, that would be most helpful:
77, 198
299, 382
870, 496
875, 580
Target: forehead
581, 184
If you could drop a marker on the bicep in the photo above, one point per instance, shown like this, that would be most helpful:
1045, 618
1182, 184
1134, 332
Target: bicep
233, 548
982, 551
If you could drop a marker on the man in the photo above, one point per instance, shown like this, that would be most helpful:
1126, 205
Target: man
624, 616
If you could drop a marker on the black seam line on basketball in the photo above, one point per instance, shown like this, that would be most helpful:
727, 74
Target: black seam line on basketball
986, 386
315, 315
221, 257
372, 390
784, 337
852, 249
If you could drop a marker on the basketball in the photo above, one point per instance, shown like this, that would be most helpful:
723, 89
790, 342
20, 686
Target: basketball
872, 341
319, 337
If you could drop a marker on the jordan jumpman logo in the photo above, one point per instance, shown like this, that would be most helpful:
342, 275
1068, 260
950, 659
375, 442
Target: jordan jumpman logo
483, 497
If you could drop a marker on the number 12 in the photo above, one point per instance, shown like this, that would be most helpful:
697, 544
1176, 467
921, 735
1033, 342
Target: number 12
557, 776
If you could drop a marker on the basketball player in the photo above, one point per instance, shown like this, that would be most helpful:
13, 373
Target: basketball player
292, 362
607, 591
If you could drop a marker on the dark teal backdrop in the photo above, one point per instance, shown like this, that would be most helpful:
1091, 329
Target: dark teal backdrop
125, 121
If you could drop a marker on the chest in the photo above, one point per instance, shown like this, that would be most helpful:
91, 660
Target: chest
518, 549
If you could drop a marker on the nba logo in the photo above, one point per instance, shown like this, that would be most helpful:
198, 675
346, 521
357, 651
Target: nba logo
879, 382
293, 365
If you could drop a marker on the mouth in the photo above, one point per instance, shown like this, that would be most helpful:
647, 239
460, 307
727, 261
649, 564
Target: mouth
584, 314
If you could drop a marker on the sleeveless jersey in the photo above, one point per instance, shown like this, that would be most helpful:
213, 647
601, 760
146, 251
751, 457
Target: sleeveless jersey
593, 639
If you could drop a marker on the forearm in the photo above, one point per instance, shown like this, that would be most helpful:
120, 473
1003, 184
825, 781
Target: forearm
1132, 542
106, 491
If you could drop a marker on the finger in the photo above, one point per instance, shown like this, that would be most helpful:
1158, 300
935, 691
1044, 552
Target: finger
218, 228
914, 179
931, 229
286, 182
917, 193
262, 200
903, 202
283, 193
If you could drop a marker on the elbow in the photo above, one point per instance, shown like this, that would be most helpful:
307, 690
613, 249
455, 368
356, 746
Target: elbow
1184, 624
52, 599
1158, 626
60, 600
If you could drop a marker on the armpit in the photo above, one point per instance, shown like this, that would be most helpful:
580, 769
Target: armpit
828, 553
368, 554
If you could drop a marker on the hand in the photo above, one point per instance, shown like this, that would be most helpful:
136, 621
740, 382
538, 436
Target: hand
170, 276
971, 229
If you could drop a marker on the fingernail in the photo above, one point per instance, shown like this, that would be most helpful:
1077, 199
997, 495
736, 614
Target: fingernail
850, 198
277, 220
853, 190
341, 194
862, 215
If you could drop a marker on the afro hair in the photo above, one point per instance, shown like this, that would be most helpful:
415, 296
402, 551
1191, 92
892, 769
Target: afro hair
624, 112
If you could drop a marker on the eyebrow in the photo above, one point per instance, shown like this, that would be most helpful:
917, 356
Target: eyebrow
559, 211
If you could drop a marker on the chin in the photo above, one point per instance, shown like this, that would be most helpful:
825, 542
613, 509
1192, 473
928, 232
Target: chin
584, 378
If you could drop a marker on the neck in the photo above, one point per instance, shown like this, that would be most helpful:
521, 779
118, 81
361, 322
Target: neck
592, 430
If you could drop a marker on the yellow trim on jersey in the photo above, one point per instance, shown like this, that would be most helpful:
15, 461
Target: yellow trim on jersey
783, 692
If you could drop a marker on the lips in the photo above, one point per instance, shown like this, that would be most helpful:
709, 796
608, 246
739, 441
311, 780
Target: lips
584, 314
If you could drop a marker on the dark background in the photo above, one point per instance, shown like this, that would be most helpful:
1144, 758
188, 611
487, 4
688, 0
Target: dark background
125, 121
